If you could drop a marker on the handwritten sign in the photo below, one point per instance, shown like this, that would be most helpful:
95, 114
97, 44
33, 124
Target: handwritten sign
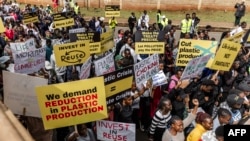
146, 69
20, 47
195, 67
105, 65
115, 131
30, 61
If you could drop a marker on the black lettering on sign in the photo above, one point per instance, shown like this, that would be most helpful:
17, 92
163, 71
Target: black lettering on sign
73, 56
113, 88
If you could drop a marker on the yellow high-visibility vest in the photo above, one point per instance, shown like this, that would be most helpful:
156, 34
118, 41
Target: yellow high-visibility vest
112, 23
186, 25
164, 22
158, 20
76, 9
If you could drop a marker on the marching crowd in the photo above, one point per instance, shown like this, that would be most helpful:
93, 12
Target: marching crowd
192, 110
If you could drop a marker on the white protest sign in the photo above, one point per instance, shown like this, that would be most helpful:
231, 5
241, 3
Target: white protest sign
85, 69
195, 67
105, 65
146, 68
159, 79
20, 47
115, 131
29, 62
19, 93
77, 30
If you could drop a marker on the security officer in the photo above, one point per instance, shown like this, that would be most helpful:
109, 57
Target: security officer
186, 25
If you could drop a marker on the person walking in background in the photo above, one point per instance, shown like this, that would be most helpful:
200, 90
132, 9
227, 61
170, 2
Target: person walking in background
240, 12
195, 22
158, 19
112, 23
132, 22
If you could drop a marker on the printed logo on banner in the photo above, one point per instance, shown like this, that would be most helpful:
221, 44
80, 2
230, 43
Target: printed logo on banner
66, 104
20, 97
226, 55
105, 65
115, 131
189, 49
71, 53
30, 61
146, 69
114, 84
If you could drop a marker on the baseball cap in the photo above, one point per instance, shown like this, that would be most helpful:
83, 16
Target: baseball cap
244, 87
234, 99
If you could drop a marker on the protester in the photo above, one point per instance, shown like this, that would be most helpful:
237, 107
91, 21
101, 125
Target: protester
177, 125
204, 122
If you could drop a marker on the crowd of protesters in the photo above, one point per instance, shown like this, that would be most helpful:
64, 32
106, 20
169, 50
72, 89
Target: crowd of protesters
192, 110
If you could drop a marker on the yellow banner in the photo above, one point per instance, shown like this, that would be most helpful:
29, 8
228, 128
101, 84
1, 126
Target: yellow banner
107, 40
30, 20
95, 47
226, 55
118, 86
237, 37
189, 49
2, 29
149, 47
64, 23
112, 14
72, 103
71, 53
